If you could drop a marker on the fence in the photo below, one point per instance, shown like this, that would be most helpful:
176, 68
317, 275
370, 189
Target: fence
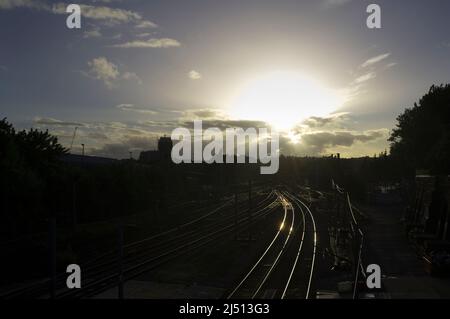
357, 235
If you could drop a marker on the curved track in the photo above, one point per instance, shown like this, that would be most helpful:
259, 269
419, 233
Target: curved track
141, 256
286, 267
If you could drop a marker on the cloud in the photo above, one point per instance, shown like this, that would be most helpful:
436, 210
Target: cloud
321, 143
334, 3
122, 148
320, 122
224, 124
194, 75
105, 16
3, 68
108, 15
324, 139
365, 77
143, 35
103, 70
366, 72
30, 4
109, 139
88, 11
116, 139
94, 33
97, 136
375, 60
116, 36
206, 113
199, 114
132, 108
131, 76
106, 1
150, 43
146, 24
54, 122
111, 15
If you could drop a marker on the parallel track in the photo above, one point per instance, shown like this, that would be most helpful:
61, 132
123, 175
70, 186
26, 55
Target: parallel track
286, 267
141, 256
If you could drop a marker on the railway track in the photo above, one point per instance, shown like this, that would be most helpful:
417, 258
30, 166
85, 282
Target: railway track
286, 267
150, 260
142, 256
300, 284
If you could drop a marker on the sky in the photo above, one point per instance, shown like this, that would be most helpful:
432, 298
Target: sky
137, 69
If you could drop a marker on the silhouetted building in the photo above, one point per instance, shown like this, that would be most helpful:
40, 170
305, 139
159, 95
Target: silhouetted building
165, 147
163, 154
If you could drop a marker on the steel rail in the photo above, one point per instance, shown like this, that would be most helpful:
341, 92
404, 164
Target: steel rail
275, 263
41, 286
130, 272
260, 258
300, 202
294, 266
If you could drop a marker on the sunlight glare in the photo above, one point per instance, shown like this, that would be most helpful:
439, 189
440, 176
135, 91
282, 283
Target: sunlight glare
284, 99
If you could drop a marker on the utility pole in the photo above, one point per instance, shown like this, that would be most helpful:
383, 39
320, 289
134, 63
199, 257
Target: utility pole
82, 149
235, 214
120, 259
338, 205
52, 256
74, 205
250, 208
73, 138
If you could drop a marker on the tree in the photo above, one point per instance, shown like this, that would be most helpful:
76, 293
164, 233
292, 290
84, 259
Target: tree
38, 148
30, 148
7, 145
29, 163
421, 138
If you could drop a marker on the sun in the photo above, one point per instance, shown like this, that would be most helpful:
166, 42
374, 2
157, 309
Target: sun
284, 99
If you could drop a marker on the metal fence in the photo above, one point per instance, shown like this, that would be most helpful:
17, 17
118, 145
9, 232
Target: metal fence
357, 235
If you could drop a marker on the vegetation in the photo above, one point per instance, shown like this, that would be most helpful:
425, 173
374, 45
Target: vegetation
28, 166
421, 139
37, 184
